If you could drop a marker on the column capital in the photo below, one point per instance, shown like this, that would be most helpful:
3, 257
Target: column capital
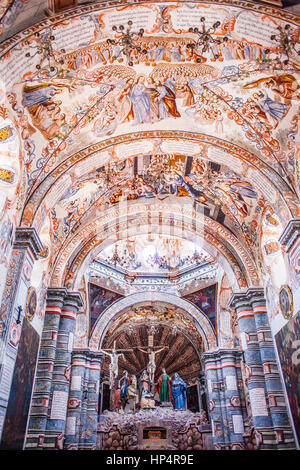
290, 234
222, 353
240, 299
73, 300
56, 294
28, 238
87, 353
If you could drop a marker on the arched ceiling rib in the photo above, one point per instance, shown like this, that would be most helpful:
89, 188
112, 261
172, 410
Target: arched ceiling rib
202, 228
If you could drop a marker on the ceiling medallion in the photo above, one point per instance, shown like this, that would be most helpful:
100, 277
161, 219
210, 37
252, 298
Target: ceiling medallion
206, 42
286, 301
127, 43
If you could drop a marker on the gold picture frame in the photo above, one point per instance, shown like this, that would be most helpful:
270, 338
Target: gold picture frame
286, 301
31, 303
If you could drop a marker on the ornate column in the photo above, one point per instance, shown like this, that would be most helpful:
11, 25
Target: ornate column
269, 412
275, 394
26, 248
82, 416
95, 360
56, 423
224, 386
43, 381
76, 392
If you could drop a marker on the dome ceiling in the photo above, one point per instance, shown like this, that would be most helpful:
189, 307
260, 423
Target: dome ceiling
168, 125
154, 253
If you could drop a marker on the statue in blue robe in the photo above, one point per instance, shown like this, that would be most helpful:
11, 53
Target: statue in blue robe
178, 392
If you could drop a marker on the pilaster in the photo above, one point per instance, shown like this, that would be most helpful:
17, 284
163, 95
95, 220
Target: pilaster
268, 407
26, 249
226, 402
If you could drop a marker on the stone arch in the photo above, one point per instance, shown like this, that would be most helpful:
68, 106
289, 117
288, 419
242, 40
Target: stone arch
202, 323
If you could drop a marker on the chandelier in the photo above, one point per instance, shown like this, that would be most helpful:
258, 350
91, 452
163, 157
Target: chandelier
115, 259
286, 42
108, 174
127, 42
45, 50
206, 41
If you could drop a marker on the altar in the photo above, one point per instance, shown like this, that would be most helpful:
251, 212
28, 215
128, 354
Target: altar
154, 429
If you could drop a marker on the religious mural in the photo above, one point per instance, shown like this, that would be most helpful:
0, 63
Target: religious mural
205, 299
100, 298
288, 345
126, 143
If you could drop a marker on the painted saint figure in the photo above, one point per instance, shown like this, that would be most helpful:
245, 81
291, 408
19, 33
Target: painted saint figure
124, 385
132, 393
140, 101
178, 392
144, 384
164, 387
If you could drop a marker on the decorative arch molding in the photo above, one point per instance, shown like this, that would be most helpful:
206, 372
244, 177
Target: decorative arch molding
103, 323
237, 159
74, 253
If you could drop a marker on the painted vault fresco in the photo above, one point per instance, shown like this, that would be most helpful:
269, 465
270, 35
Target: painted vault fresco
151, 159
91, 91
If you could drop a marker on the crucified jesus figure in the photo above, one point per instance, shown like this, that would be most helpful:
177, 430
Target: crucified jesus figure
114, 359
151, 367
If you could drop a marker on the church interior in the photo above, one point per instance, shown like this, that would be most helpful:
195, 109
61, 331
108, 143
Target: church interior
149, 225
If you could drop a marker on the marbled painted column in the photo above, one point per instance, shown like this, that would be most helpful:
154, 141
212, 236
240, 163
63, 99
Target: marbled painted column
78, 369
39, 411
254, 367
84, 407
222, 369
56, 423
26, 248
95, 360
265, 390
276, 399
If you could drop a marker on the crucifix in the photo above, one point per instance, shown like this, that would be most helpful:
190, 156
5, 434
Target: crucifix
113, 366
151, 367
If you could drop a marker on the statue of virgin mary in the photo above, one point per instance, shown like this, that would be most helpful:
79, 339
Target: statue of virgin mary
178, 392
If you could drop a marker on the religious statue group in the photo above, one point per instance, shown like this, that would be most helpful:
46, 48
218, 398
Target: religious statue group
171, 391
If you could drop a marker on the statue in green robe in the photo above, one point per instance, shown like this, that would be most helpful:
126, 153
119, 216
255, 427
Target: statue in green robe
164, 387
